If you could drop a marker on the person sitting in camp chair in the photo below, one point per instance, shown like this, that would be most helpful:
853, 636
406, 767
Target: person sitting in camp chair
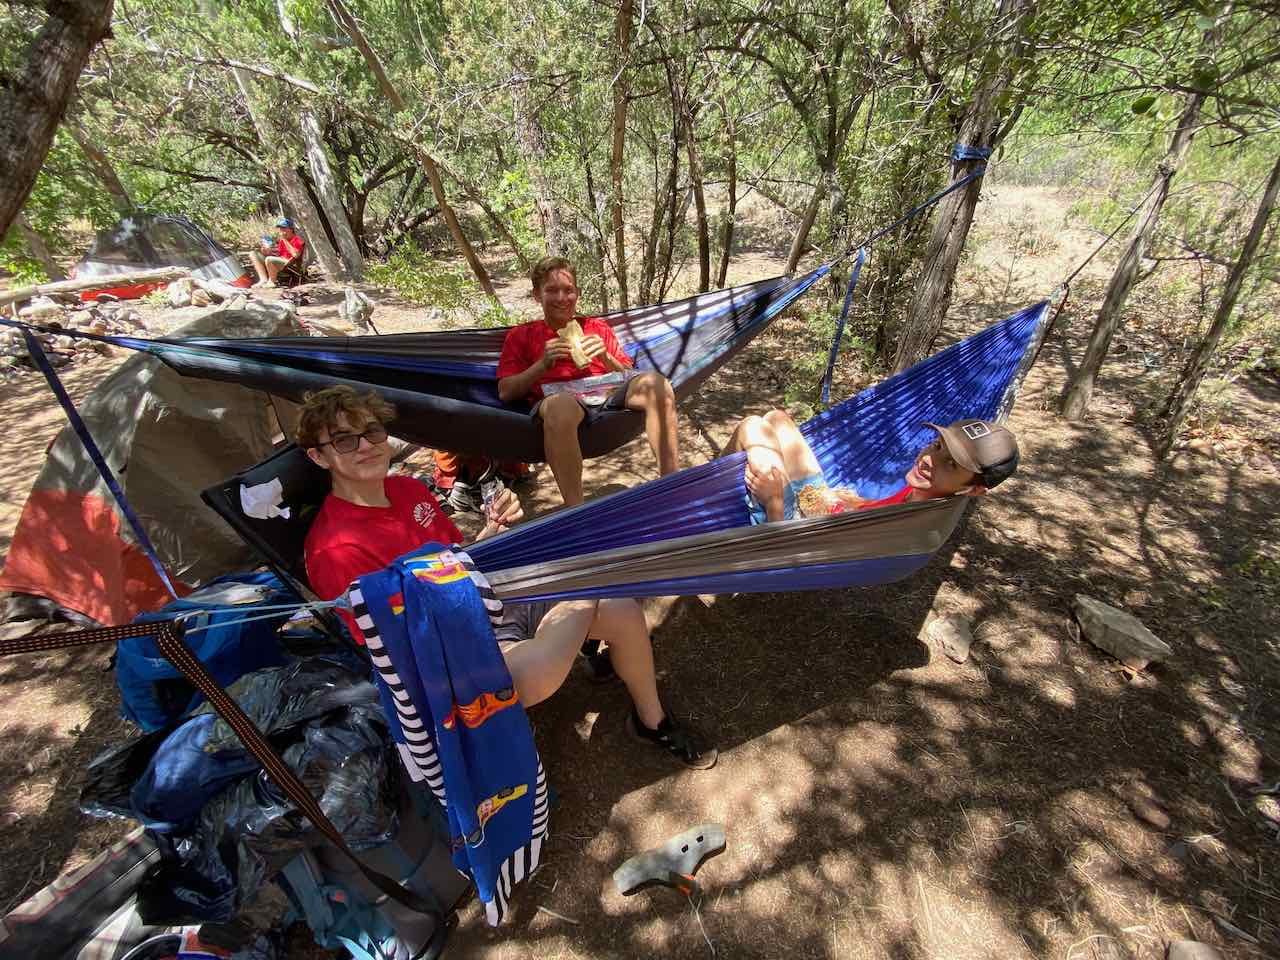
564, 349
270, 260
369, 519
784, 479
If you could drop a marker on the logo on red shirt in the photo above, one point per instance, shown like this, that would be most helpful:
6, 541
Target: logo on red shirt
424, 513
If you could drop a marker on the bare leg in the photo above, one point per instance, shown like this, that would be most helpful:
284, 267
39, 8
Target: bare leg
540, 664
652, 393
561, 414
756, 436
622, 623
273, 267
259, 265
797, 455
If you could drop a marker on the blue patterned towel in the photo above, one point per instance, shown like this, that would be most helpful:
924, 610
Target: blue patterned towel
428, 622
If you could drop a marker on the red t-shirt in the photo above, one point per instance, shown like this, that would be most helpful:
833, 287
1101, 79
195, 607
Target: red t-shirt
524, 346
899, 497
289, 247
347, 540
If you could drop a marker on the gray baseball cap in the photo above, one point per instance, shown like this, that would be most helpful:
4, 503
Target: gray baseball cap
988, 449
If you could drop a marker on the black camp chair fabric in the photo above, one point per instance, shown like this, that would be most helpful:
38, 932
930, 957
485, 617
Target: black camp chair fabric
278, 540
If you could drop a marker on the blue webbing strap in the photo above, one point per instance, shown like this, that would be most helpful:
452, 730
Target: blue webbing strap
844, 315
962, 152
99, 461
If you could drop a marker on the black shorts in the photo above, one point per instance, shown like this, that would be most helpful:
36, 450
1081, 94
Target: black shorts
617, 400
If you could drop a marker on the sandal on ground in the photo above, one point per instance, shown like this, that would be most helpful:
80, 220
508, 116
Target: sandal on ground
678, 740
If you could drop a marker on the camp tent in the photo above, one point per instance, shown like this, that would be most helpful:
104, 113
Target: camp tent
144, 241
166, 437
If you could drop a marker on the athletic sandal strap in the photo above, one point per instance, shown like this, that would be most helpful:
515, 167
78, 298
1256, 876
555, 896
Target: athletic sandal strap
678, 740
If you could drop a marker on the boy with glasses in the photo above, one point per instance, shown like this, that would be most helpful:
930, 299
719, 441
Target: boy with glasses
369, 519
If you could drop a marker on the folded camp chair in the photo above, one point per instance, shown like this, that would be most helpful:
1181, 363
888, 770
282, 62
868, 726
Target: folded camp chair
278, 540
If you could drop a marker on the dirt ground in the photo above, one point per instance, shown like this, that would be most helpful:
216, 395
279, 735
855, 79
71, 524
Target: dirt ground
880, 800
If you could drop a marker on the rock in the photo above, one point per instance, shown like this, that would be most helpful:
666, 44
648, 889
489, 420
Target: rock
356, 308
129, 317
81, 318
179, 292
1192, 950
1119, 633
40, 308
236, 303
65, 343
200, 298
952, 634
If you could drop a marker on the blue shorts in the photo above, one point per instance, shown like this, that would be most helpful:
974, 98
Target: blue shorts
790, 499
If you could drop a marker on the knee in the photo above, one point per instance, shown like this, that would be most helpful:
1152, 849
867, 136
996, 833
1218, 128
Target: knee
779, 420
560, 412
652, 387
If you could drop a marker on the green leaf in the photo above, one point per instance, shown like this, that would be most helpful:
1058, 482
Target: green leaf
1205, 22
1143, 103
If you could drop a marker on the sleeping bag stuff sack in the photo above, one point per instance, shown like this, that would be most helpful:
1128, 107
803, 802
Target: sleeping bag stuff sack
153, 692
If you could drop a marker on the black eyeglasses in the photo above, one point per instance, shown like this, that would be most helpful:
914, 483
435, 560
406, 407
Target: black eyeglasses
350, 442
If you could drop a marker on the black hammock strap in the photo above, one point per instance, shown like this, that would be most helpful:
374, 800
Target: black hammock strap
168, 636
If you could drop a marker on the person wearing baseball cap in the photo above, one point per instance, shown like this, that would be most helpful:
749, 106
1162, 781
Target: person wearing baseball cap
784, 479
274, 256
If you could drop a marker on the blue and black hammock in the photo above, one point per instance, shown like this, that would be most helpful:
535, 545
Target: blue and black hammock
444, 384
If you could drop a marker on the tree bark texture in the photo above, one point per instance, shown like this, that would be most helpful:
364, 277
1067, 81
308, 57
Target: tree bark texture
932, 295
39, 249
102, 168
1076, 397
699, 198
34, 97
352, 27
1179, 402
327, 190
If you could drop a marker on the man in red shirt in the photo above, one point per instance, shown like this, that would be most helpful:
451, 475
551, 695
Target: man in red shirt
270, 258
784, 479
369, 519
535, 354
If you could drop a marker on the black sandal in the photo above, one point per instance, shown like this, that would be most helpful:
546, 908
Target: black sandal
678, 740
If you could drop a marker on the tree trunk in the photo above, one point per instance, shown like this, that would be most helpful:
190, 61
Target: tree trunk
295, 191
371, 59
34, 95
932, 296
699, 199
159, 275
327, 191
39, 249
726, 237
1193, 373
102, 168
622, 50
1075, 400
801, 240
534, 140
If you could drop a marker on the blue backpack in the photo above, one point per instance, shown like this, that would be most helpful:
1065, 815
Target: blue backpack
154, 694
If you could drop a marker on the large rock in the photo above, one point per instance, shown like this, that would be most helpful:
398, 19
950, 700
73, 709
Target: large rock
1119, 633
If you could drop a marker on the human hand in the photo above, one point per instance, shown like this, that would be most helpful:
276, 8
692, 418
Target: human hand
503, 511
553, 352
592, 346
767, 485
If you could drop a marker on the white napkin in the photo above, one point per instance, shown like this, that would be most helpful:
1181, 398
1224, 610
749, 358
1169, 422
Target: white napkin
262, 501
